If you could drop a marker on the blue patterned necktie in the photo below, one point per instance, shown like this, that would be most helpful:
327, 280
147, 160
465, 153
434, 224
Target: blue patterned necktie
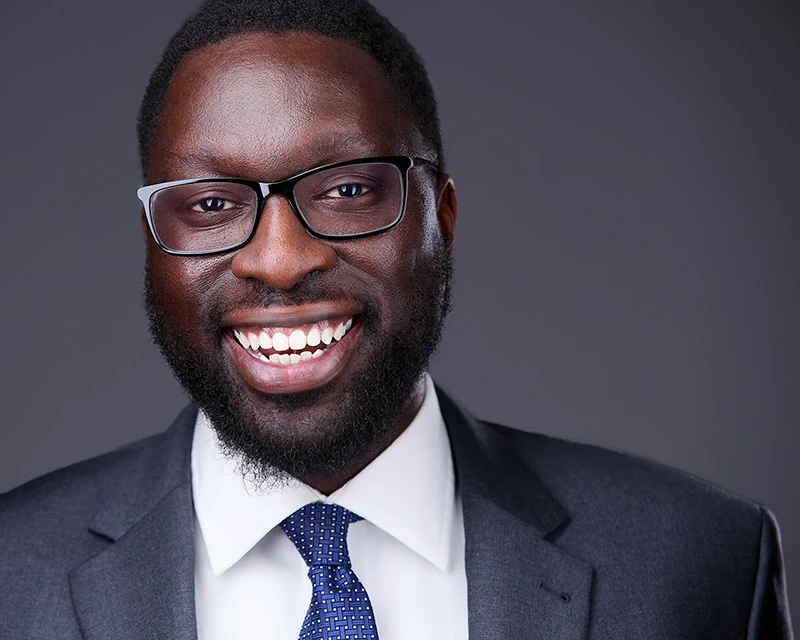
340, 608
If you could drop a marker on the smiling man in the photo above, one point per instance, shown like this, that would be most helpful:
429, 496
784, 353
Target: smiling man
299, 226
302, 268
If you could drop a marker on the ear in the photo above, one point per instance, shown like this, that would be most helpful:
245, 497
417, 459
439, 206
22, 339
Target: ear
447, 210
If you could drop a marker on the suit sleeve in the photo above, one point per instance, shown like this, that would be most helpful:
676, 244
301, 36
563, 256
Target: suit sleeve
769, 612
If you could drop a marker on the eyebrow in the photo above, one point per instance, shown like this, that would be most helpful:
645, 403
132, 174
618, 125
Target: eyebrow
327, 149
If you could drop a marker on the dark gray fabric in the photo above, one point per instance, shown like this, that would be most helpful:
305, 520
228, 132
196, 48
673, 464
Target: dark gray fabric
569, 541
563, 540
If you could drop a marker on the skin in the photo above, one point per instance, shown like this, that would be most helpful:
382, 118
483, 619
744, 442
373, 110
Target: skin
265, 107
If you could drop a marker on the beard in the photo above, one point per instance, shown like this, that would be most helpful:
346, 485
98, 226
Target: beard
272, 448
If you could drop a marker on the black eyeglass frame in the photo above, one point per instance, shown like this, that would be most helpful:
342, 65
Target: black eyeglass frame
286, 189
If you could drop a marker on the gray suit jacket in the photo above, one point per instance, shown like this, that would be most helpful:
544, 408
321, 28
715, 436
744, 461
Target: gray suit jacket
563, 541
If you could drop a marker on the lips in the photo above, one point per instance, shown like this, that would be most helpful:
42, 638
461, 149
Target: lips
291, 350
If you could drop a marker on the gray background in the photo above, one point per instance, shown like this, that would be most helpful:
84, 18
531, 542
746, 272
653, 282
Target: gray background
627, 262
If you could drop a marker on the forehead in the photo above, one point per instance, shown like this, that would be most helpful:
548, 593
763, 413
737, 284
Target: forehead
265, 106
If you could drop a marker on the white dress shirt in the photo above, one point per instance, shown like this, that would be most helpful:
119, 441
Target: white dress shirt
252, 584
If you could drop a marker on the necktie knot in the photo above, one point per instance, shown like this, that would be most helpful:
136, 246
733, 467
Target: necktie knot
319, 531
340, 608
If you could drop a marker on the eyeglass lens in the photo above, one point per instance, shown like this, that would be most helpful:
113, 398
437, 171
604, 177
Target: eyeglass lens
342, 201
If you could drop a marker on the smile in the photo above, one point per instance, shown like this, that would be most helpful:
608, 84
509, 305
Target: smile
287, 346
279, 352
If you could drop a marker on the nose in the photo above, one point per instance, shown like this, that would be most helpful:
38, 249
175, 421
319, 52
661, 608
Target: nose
281, 252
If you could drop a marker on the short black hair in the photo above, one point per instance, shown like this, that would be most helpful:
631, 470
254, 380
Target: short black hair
355, 21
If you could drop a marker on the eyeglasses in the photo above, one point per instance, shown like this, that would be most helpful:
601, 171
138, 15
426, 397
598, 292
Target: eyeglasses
345, 200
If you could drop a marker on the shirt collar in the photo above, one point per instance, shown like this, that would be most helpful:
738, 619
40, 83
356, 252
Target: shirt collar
408, 491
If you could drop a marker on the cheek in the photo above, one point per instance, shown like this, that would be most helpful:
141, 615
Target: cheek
181, 285
393, 261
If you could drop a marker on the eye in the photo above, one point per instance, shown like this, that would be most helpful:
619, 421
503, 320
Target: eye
350, 190
212, 205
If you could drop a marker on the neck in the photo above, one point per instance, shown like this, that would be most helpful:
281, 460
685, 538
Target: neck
328, 483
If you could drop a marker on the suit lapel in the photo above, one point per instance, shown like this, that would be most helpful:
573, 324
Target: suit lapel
519, 583
141, 587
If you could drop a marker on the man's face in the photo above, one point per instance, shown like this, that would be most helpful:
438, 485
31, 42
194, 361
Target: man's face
266, 107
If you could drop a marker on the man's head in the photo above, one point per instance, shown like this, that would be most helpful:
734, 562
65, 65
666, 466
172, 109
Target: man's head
263, 104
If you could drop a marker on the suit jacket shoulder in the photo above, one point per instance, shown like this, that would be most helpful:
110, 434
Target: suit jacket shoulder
55, 523
594, 480
662, 541
49, 514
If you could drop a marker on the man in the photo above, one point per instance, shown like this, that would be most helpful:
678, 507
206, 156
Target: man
299, 226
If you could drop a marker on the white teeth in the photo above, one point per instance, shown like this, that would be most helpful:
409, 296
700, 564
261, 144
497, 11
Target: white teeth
339, 333
242, 339
313, 337
297, 340
279, 341
289, 358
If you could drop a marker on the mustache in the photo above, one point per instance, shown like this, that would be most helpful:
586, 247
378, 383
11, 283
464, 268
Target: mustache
314, 287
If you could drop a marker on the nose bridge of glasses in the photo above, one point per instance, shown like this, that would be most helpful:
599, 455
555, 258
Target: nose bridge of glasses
283, 189
266, 189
